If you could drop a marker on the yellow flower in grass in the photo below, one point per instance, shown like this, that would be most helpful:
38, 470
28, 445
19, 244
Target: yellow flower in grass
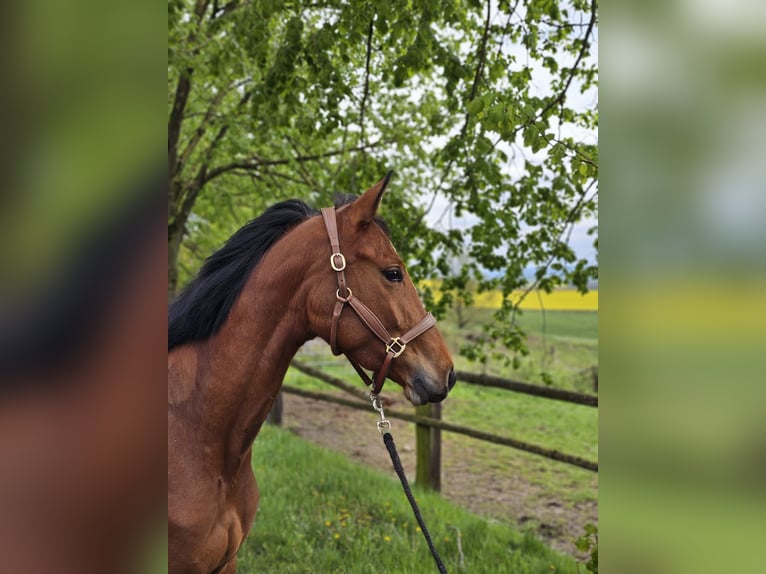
327, 523
387, 538
336, 536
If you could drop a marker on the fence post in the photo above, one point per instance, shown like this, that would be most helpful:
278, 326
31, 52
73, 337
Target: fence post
275, 414
428, 449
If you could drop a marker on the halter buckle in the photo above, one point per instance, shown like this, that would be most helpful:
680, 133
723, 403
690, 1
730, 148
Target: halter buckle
341, 266
395, 342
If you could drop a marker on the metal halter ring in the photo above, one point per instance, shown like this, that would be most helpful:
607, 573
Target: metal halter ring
342, 265
345, 299
397, 342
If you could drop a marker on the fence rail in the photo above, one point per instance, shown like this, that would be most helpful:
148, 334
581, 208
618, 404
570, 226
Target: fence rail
428, 427
443, 425
526, 388
470, 378
354, 390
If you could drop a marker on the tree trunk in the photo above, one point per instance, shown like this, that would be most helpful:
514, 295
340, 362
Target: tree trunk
462, 320
175, 235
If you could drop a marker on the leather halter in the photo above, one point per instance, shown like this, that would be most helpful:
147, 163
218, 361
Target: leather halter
395, 346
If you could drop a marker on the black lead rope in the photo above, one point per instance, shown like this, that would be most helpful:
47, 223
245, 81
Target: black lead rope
389, 440
384, 426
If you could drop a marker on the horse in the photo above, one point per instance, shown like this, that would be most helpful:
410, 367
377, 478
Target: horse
286, 277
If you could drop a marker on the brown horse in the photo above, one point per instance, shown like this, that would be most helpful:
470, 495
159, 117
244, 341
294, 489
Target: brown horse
276, 284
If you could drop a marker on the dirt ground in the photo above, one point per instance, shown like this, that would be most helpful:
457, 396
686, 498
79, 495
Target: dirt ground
497, 490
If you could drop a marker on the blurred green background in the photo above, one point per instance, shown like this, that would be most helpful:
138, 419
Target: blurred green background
82, 125
682, 426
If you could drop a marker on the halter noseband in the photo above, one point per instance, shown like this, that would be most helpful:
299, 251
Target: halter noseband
395, 346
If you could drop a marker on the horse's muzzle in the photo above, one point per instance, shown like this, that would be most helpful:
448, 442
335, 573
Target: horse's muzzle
424, 390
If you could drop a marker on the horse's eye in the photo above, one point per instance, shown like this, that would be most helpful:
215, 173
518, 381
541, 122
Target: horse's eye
394, 274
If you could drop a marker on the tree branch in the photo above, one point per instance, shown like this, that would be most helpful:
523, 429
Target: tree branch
583, 49
254, 163
505, 30
273, 173
582, 156
482, 59
568, 222
181, 97
559, 99
474, 88
366, 92
308, 178
201, 130
190, 191
230, 7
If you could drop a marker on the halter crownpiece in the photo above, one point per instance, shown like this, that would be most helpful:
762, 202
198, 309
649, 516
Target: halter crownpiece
394, 346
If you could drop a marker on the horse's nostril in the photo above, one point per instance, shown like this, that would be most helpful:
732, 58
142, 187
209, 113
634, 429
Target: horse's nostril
452, 379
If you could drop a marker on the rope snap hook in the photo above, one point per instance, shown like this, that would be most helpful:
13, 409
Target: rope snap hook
384, 425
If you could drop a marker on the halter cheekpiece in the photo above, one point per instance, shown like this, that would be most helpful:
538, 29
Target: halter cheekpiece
394, 346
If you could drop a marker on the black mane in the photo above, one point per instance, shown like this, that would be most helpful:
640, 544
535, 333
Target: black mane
203, 306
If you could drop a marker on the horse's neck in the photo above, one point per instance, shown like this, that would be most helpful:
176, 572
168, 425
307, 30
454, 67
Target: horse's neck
240, 369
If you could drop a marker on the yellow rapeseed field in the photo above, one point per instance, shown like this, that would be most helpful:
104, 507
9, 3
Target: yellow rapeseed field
558, 300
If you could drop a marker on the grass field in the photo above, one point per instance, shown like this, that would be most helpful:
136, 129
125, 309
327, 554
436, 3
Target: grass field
320, 512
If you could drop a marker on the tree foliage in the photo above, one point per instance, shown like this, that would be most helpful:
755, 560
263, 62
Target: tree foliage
468, 102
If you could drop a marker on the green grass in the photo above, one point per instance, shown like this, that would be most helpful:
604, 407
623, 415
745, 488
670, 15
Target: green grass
555, 424
571, 429
579, 325
319, 512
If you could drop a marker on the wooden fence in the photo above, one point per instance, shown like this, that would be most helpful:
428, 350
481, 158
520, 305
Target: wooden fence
428, 423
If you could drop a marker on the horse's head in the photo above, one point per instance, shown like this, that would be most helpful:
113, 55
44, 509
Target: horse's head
378, 279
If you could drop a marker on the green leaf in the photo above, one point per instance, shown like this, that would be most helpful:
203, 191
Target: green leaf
475, 106
497, 70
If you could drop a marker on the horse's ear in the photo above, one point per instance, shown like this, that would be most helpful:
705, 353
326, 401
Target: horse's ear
365, 208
